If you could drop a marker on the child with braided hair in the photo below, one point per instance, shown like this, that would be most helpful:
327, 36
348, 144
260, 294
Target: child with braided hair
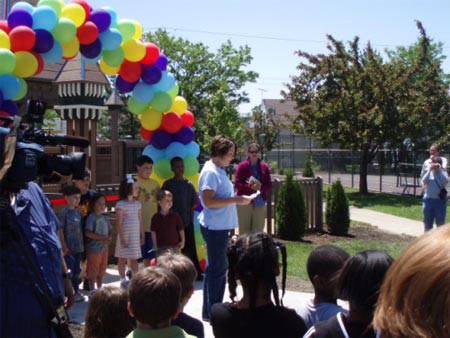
253, 260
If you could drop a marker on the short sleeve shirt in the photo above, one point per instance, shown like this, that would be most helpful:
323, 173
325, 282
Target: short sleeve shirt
71, 223
100, 225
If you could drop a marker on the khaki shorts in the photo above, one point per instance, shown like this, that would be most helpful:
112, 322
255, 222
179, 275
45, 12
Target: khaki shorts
96, 264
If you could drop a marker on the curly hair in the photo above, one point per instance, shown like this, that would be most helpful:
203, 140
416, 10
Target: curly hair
253, 259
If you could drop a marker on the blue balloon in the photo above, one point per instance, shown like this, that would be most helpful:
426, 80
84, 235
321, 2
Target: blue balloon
192, 149
91, 51
113, 14
143, 92
161, 62
124, 86
176, 149
154, 153
9, 86
44, 17
161, 139
24, 5
10, 107
20, 17
166, 83
44, 41
54, 55
185, 135
151, 74
94, 60
111, 39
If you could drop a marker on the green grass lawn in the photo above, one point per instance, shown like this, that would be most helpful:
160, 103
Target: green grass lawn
298, 252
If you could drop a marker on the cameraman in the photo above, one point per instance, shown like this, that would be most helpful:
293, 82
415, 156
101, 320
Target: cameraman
34, 280
434, 182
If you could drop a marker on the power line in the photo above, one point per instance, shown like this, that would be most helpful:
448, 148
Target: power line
262, 37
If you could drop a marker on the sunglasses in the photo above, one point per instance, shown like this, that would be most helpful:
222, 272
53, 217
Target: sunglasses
253, 151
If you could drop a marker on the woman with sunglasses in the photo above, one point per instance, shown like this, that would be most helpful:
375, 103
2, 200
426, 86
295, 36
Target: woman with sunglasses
252, 176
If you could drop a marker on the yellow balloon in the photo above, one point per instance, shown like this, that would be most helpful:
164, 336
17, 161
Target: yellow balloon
151, 119
71, 48
4, 40
134, 50
158, 179
194, 180
107, 69
138, 30
179, 105
26, 64
75, 13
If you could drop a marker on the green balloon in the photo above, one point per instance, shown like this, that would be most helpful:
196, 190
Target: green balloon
64, 31
114, 58
191, 166
161, 102
136, 107
126, 28
163, 169
7, 61
55, 4
22, 91
174, 90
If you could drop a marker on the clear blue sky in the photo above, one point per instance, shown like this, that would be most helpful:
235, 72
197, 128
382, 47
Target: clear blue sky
275, 29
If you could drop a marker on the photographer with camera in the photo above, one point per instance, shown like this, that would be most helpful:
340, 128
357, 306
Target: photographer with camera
35, 285
434, 182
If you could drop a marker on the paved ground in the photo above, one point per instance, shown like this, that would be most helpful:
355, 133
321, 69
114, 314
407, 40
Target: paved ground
383, 221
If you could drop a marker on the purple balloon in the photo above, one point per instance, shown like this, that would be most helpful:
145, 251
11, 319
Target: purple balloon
161, 139
10, 107
124, 86
161, 62
101, 18
185, 135
151, 74
92, 50
20, 17
1, 98
44, 41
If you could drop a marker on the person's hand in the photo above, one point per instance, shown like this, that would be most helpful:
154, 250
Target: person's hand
181, 245
66, 251
255, 186
69, 293
142, 237
244, 200
123, 242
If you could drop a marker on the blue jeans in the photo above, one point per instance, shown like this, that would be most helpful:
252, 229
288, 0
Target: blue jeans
73, 263
216, 268
434, 208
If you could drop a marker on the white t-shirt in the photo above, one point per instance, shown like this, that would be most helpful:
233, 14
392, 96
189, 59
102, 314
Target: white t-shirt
312, 314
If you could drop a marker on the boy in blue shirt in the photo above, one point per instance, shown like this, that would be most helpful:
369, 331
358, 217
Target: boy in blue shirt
71, 236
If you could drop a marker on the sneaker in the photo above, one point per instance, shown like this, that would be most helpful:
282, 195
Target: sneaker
91, 293
124, 284
79, 297
129, 274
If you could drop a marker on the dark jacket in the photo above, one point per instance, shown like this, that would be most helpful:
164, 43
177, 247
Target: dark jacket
243, 173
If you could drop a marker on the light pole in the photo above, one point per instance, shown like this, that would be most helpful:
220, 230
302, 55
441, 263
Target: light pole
262, 138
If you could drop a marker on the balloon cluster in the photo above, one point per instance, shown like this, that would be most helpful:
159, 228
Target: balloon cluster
53, 31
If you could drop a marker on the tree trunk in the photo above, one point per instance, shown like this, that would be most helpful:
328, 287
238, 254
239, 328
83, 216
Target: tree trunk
364, 162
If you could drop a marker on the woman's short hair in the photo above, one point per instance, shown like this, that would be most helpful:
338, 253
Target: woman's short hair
361, 277
220, 145
107, 314
415, 297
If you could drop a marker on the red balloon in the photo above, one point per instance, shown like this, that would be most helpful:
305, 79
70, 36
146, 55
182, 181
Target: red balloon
130, 71
85, 5
4, 26
172, 123
151, 53
40, 62
3, 114
203, 264
22, 38
146, 134
188, 118
87, 33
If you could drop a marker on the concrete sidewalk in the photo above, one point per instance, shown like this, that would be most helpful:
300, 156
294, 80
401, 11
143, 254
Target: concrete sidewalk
386, 222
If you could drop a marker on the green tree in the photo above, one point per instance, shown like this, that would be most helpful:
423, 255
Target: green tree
291, 212
263, 124
308, 170
352, 98
211, 82
337, 214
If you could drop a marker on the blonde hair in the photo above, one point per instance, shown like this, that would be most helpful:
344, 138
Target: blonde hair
415, 297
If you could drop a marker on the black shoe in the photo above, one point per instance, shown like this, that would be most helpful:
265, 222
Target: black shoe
86, 285
129, 274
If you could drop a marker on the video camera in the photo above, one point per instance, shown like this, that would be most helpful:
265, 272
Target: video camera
22, 157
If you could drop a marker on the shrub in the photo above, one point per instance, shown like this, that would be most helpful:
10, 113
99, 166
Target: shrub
308, 170
337, 214
291, 213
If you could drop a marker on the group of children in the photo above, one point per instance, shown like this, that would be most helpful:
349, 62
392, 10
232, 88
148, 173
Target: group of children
145, 223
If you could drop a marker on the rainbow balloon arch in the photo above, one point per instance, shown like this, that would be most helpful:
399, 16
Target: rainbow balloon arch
54, 31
